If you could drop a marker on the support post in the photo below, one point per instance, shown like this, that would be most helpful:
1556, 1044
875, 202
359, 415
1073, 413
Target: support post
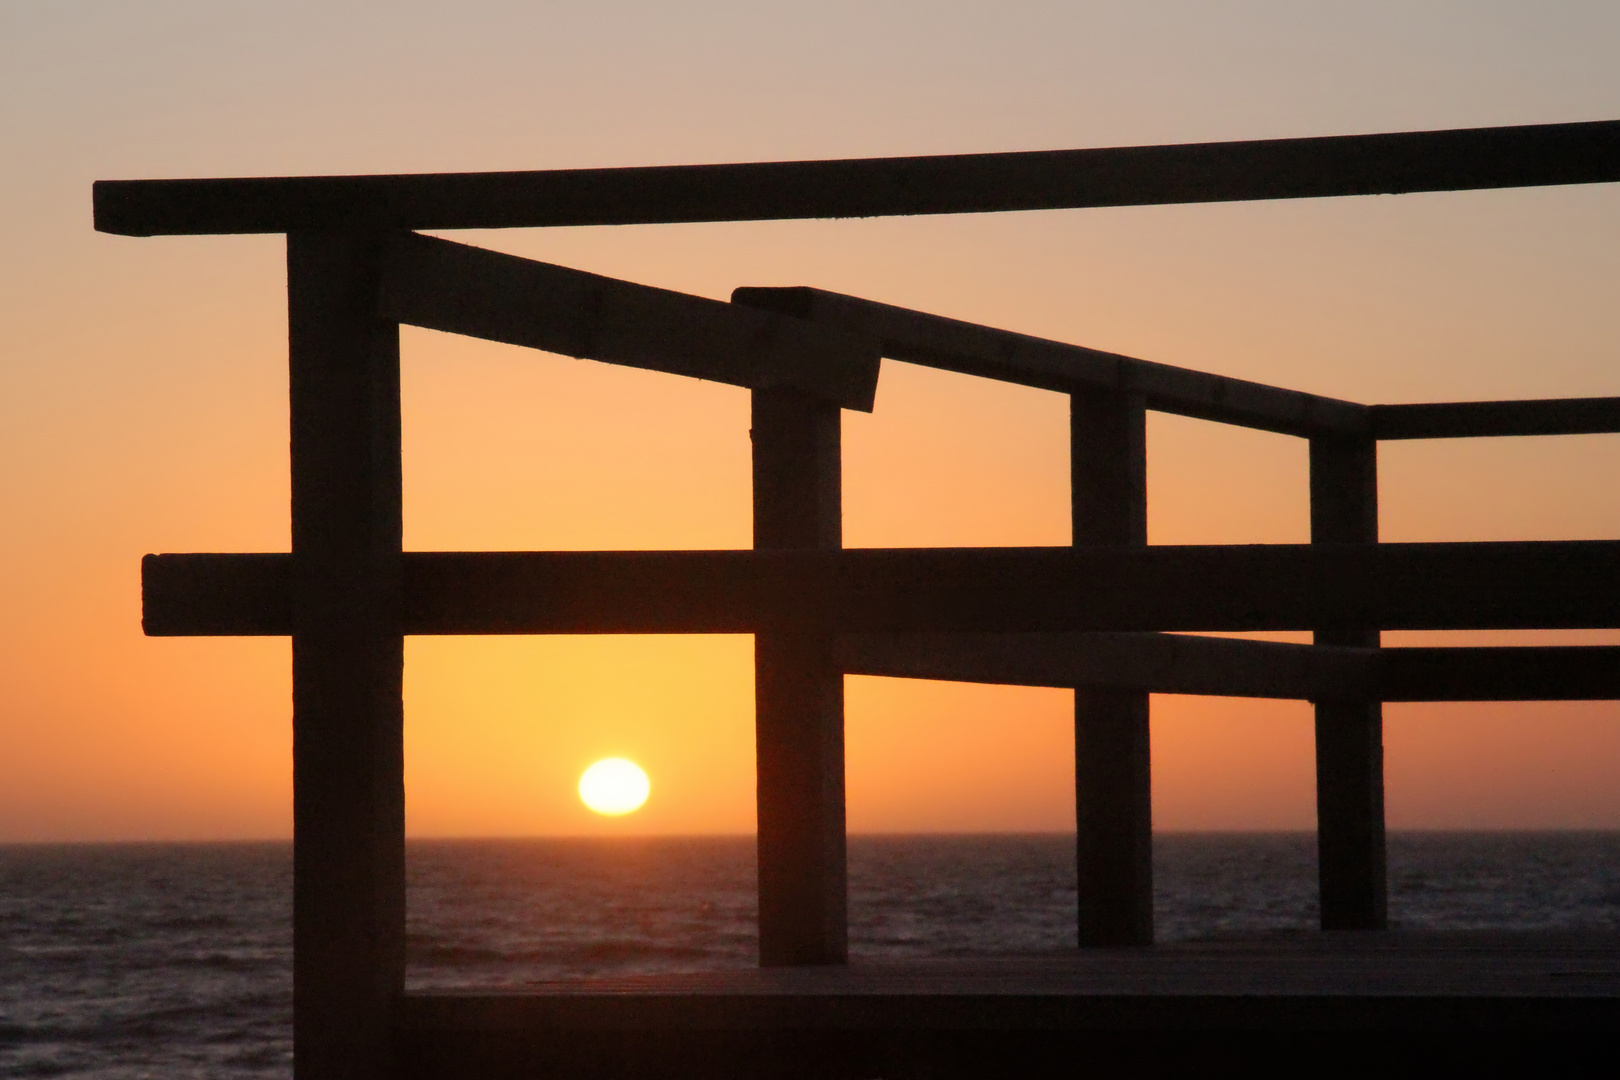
1351, 863
1113, 784
799, 693
348, 660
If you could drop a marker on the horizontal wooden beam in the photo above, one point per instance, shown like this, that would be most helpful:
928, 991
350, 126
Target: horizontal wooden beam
1235, 667
1381, 164
460, 289
953, 345
1473, 419
1539, 584
1156, 663
1485, 673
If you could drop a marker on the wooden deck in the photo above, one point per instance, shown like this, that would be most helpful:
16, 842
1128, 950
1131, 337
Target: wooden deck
1258, 1000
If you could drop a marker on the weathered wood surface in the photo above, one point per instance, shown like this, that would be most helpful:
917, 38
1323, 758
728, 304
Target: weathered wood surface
799, 692
1379, 164
442, 285
952, 345
348, 663
1251, 1002
1493, 585
1474, 419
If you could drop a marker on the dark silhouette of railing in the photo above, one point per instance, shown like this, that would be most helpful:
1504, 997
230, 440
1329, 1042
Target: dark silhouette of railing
1098, 617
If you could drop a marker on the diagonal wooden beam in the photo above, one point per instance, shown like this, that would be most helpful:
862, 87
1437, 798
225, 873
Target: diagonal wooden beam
442, 285
1148, 662
1536, 585
1235, 667
1383, 164
952, 345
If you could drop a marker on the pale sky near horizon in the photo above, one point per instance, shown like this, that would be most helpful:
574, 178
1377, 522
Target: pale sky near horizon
143, 397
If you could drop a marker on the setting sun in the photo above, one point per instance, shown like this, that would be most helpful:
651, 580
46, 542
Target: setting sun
614, 786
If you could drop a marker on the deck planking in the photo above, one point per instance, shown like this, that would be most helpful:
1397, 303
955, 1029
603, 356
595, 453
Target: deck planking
1255, 1002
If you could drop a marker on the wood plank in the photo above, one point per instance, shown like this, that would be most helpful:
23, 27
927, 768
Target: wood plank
246, 595
1235, 667
1360, 998
799, 692
459, 289
1351, 861
952, 345
1511, 673
1473, 419
1112, 776
348, 663
1381, 164
1493, 585
1151, 663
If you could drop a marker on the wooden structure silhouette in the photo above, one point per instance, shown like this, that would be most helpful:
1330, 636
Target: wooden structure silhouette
1098, 617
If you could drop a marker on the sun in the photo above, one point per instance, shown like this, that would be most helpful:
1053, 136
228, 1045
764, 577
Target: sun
614, 786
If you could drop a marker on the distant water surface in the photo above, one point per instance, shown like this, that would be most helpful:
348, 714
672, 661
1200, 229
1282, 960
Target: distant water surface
173, 960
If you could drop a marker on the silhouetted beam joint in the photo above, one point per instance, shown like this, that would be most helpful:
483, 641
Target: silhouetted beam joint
1475, 419
1382, 164
460, 289
1517, 585
953, 345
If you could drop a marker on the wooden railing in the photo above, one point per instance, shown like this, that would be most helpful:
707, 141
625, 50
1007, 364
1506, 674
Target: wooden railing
1095, 617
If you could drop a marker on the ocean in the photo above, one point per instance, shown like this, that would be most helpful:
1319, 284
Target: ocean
174, 960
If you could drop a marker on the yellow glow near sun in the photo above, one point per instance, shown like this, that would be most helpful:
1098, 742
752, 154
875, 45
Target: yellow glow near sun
614, 786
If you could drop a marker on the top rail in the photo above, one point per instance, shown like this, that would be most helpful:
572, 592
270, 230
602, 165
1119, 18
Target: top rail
1481, 419
1381, 164
953, 345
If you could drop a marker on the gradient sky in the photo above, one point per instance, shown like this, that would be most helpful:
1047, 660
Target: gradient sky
143, 385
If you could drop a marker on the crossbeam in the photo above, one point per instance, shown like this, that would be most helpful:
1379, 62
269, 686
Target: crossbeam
1153, 663
1476, 419
1454, 160
459, 289
1517, 585
1236, 667
953, 345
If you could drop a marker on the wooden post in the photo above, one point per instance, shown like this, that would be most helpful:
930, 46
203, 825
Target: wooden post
1113, 786
348, 658
799, 693
1349, 733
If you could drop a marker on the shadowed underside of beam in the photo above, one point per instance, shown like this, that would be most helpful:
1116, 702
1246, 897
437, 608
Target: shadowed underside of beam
460, 289
971, 183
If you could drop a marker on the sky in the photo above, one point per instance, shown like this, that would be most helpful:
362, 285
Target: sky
143, 382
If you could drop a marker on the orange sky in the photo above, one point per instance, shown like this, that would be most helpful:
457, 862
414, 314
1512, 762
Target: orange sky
143, 398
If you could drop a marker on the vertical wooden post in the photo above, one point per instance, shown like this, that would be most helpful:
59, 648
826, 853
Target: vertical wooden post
348, 659
1113, 782
1349, 734
799, 694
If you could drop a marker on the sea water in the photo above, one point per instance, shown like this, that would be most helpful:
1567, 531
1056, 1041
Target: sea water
174, 960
